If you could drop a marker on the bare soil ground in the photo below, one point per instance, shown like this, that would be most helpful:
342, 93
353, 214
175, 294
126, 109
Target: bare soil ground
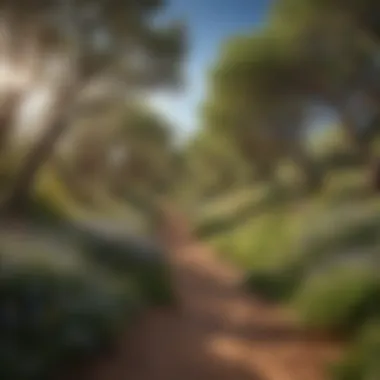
220, 332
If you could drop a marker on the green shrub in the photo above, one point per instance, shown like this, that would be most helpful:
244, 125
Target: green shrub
343, 186
340, 299
361, 362
52, 200
56, 307
232, 212
266, 249
277, 284
265, 241
127, 255
348, 228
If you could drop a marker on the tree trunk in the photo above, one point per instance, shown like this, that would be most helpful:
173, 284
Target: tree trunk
6, 122
21, 190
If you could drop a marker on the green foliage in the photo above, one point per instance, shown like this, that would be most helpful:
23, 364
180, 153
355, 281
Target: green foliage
214, 164
264, 83
280, 247
346, 186
256, 98
128, 255
332, 150
266, 246
66, 294
254, 243
66, 26
361, 12
269, 255
56, 307
70, 287
276, 284
348, 228
233, 211
361, 362
341, 298
52, 200
70, 34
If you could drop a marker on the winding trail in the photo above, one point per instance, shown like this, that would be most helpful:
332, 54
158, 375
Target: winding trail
219, 332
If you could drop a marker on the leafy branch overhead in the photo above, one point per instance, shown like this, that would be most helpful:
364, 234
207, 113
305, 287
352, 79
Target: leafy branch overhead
81, 49
265, 84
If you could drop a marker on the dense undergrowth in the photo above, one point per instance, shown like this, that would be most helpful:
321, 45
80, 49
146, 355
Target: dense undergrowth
72, 279
318, 253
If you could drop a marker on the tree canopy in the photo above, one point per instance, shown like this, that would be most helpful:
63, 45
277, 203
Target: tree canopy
81, 48
264, 83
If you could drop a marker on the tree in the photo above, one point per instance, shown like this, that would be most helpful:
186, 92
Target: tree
258, 96
309, 52
214, 161
79, 47
363, 13
147, 140
342, 42
118, 148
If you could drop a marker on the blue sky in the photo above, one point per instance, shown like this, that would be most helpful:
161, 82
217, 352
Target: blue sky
209, 23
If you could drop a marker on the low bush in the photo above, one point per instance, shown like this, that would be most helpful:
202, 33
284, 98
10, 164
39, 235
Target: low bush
266, 249
128, 255
66, 295
339, 232
56, 307
55, 203
266, 241
361, 362
339, 299
321, 255
229, 214
277, 284
343, 186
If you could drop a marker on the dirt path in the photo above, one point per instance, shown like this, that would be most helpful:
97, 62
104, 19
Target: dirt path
220, 333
